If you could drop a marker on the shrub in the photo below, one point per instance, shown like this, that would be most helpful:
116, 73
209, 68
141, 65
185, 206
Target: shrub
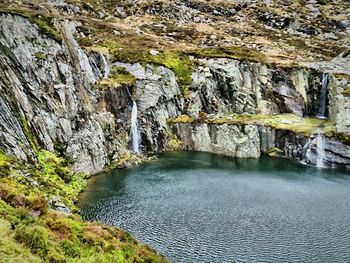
34, 237
70, 248
56, 257
38, 205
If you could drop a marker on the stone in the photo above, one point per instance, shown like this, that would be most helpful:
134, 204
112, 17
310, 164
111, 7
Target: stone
154, 52
56, 204
120, 12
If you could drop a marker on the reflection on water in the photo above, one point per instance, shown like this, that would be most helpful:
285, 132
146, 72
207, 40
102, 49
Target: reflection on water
198, 207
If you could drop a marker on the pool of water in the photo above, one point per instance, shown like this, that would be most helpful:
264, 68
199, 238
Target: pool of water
198, 207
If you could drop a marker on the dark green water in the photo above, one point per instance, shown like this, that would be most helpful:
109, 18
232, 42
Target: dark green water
197, 207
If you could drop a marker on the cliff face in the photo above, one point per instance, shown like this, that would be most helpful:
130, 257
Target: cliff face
60, 96
47, 96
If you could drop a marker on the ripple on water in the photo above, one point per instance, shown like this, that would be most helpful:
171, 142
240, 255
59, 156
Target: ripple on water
205, 208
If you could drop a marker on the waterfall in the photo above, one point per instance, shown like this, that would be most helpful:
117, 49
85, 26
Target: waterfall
135, 133
323, 96
320, 150
105, 66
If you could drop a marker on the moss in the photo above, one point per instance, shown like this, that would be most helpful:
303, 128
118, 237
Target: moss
274, 152
118, 77
182, 119
346, 92
54, 165
5, 164
70, 249
46, 27
28, 133
175, 60
44, 23
174, 143
239, 53
289, 122
40, 56
179, 64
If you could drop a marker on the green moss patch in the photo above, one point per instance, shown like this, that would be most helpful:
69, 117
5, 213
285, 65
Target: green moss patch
44, 23
118, 77
289, 122
40, 56
175, 60
239, 53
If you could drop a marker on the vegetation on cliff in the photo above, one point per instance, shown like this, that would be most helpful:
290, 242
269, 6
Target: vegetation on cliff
290, 122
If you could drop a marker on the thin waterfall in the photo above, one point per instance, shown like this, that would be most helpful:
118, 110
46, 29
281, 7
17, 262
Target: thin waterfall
320, 150
135, 132
105, 66
323, 96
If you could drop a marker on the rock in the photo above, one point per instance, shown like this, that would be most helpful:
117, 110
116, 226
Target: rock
229, 140
56, 204
120, 12
275, 152
117, 33
336, 154
154, 52
56, 98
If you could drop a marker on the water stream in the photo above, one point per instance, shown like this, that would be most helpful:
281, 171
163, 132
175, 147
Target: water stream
105, 66
198, 207
323, 96
135, 132
320, 150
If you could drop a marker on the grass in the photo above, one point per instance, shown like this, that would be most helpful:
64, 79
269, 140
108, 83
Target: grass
291, 122
10, 249
30, 231
238, 53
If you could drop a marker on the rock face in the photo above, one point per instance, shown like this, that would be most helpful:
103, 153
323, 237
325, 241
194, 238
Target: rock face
340, 103
228, 140
336, 153
226, 85
243, 141
158, 98
48, 101
46, 94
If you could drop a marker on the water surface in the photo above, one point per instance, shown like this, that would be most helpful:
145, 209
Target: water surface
198, 207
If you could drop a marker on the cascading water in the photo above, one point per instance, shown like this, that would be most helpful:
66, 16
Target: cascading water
323, 96
135, 133
320, 150
105, 66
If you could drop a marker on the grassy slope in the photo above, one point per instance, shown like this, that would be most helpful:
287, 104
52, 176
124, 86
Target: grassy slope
32, 232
